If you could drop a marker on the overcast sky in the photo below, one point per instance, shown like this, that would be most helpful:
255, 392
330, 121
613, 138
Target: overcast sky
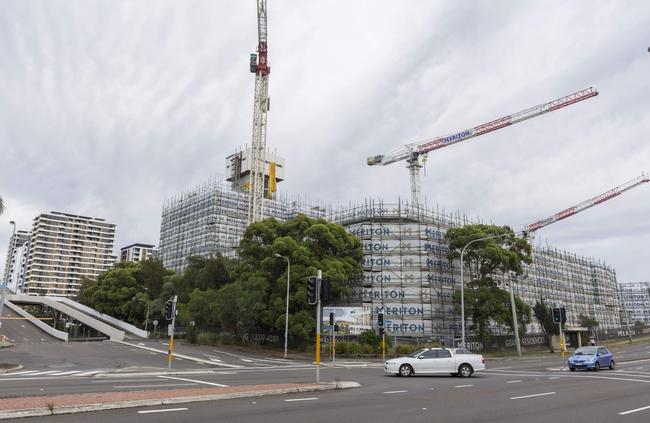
109, 107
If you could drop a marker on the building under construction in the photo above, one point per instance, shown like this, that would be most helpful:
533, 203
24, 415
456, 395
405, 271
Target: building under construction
406, 274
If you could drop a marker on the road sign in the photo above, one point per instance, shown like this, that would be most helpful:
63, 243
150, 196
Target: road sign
155, 322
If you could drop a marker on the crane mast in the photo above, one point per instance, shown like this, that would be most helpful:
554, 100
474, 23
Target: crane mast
259, 66
415, 153
601, 198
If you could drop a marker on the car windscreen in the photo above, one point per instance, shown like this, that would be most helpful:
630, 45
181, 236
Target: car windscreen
585, 351
416, 353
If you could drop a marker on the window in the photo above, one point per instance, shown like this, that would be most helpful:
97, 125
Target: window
444, 353
428, 354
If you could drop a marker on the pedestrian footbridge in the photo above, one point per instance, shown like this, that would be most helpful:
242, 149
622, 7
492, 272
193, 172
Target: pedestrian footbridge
75, 314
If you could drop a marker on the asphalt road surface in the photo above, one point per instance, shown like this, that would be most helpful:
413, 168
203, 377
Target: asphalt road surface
511, 390
20, 331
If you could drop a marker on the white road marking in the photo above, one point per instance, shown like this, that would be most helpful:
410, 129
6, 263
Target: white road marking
554, 377
195, 381
161, 411
462, 386
301, 399
513, 381
22, 373
153, 386
92, 372
634, 411
130, 380
533, 395
71, 372
394, 392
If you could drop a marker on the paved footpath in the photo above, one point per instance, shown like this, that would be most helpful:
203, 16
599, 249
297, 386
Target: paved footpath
78, 403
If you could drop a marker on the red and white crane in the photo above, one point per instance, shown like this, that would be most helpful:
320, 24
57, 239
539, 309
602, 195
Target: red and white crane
415, 153
260, 67
608, 195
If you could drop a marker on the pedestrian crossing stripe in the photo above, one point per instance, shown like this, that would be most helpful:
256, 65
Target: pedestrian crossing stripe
57, 373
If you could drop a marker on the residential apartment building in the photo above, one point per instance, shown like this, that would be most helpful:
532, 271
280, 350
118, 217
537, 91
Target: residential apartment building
636, 301
15, 259
136, 252
62, 250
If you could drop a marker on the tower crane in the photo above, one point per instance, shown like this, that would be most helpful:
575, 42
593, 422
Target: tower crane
415, 153
608, 195
260, 67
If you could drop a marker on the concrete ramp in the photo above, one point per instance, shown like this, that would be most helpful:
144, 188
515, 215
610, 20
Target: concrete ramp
99, 326
36, 322
127, 327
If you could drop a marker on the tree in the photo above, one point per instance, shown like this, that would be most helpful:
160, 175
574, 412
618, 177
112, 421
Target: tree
503, 252
544, 315
113, 292
256, 297
125, 290
588, 322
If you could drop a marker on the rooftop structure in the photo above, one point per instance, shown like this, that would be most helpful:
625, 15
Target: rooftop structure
136, 252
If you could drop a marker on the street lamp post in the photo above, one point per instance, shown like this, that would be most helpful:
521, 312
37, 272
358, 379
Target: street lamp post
146, 319
286, 315
3, 289
462, 285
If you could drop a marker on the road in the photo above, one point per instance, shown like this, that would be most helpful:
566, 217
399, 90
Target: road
528, 390
20, 331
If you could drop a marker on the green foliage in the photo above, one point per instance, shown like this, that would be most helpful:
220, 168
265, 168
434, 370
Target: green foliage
544, 315
588, 322
238, 296
124, 291
504, 253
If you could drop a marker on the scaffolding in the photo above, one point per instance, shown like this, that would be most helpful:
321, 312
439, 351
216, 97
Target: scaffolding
211, 218
407, 276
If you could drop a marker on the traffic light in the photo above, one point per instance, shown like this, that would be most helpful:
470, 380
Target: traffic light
312, 290
169, 310
381, 330
331, 319
336, 328
557, 315
380, 320
563, 315
325, 291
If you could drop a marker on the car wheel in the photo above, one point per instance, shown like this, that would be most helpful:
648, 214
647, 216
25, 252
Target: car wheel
405, 370
597, 366
573, 369
612, 366
465, 370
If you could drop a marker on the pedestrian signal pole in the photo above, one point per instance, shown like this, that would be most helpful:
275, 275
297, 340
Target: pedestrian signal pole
318, 316
380, 323
170, 314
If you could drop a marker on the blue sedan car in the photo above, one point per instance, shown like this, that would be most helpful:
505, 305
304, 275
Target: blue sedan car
591, 358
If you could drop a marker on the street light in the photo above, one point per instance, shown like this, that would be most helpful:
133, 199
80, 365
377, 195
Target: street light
146, 319
286, 315
462, 284
3, 286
